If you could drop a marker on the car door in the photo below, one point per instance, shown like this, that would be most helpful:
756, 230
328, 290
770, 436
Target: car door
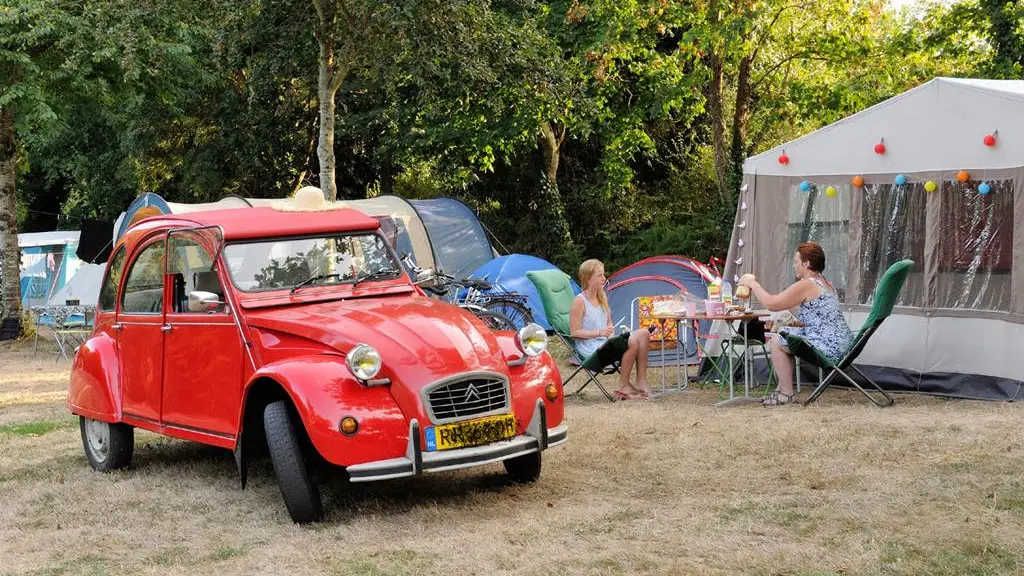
140, 338
203, 351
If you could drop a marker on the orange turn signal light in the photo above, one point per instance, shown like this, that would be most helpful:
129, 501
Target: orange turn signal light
349, 426
551, 392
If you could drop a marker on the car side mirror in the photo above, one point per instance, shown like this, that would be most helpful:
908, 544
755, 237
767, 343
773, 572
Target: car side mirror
200, 301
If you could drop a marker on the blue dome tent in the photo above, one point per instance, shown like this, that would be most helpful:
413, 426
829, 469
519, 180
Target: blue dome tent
510, 272
658, 276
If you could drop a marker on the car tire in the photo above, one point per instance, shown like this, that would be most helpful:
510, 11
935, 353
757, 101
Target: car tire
525, 468
301, 496
107, 446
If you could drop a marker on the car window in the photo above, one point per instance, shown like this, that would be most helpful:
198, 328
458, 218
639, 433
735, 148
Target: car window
108, 292
285, 263
144, 289
191, 269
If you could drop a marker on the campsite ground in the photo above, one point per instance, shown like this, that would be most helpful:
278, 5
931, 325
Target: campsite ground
675, 486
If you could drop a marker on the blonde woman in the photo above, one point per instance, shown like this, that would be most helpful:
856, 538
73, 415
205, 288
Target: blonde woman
590, 324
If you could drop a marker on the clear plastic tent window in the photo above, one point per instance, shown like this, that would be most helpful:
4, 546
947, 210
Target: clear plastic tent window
892, 225
815, 216
976, 246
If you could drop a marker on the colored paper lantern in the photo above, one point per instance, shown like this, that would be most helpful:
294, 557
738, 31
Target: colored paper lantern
962, 176
783, 159
880, 147
830, 191
930, 186
984, 188
858, 181
990, 140
901, 179
805, 186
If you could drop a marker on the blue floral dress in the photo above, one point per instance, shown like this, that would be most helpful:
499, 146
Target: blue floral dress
824, 325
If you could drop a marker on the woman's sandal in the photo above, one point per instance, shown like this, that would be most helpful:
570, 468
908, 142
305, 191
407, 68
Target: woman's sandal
619, 394
778, 399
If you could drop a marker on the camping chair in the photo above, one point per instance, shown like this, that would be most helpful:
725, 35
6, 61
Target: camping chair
556, 295
886, 292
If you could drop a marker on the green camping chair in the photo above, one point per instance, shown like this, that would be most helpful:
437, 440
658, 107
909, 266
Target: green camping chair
556, 294
886, 293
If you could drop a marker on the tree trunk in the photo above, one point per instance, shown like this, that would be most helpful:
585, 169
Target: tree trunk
716, 111
740, 121
550, 206
325, 148
10, 259
550, 145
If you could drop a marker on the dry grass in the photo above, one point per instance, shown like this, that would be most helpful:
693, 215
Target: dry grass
667, 487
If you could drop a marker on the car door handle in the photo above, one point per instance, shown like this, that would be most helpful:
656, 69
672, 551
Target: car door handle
166, 328
117, 326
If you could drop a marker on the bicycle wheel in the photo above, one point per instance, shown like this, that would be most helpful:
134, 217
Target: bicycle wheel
517, 312
494, 320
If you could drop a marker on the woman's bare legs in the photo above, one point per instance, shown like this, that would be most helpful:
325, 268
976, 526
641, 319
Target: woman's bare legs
642, 340
628, 359
782, 362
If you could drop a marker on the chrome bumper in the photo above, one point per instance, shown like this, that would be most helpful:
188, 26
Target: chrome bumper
538, 437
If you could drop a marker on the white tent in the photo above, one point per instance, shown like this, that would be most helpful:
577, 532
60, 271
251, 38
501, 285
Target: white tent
84, 286
48, 261
947, 191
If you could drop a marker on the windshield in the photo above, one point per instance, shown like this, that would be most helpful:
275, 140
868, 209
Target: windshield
289, 262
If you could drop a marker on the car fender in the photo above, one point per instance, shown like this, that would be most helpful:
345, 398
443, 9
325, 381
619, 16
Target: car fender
95, 387
528, 379
324, 391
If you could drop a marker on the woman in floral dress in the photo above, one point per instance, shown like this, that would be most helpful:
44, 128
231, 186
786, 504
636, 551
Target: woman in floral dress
824, 325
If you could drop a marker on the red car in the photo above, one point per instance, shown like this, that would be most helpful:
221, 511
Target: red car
301, 333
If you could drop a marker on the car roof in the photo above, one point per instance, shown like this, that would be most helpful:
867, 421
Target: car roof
261, 222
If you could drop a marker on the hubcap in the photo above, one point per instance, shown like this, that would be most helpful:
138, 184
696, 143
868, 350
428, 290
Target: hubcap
98, 435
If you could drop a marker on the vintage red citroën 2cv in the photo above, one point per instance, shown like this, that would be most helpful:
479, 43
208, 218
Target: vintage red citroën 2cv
298, 332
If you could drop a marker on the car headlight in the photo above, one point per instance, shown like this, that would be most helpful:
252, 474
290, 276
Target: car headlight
364, 361
533, 339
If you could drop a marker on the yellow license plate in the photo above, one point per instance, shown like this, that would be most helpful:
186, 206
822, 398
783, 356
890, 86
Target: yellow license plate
471, 432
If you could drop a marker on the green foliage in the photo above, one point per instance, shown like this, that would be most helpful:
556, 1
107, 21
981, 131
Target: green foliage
195, 100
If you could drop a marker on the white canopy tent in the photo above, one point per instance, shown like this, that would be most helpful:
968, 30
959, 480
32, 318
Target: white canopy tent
941, 193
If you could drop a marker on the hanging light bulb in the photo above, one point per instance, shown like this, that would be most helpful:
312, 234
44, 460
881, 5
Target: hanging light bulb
742, 224
743, 205
739, 261
740, 243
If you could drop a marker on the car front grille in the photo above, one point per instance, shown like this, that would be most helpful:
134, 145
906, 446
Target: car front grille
471, 395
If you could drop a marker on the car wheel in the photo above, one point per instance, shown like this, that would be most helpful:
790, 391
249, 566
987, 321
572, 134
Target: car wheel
107, 446
301, 496
525, 468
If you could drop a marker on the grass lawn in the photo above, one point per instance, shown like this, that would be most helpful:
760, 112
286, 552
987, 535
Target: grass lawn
672, 486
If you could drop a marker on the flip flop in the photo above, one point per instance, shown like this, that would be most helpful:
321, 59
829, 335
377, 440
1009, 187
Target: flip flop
778, 399
623, 396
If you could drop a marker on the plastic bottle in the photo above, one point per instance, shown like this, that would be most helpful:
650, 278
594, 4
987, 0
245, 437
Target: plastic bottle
726, 293
714, 292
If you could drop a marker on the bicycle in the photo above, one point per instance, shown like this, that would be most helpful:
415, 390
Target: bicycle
497, 307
